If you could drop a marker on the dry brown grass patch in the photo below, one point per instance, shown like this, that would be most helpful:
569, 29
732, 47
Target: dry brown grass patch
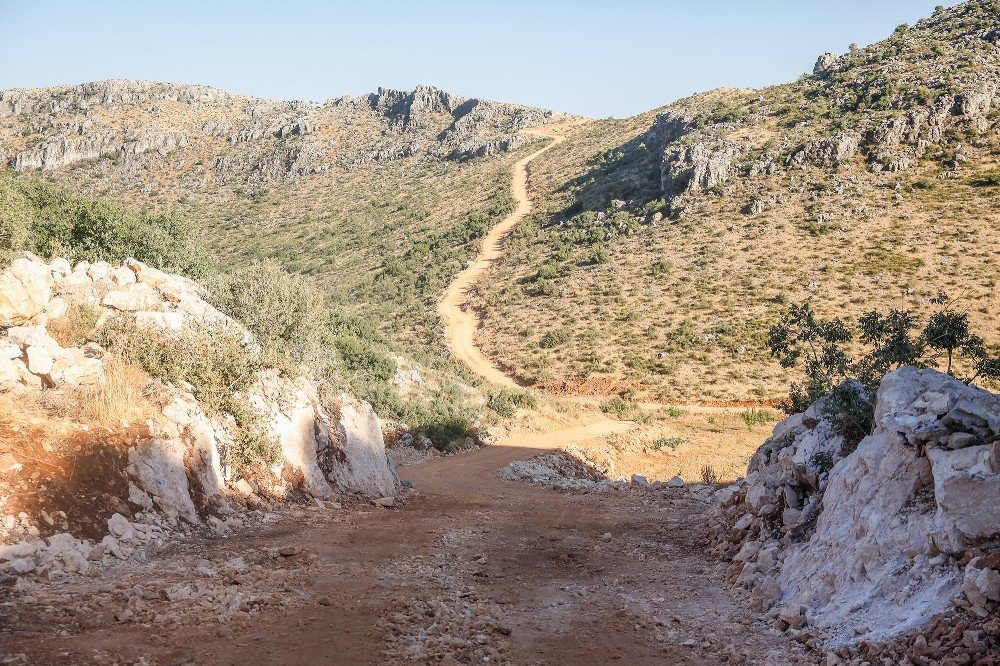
120, 398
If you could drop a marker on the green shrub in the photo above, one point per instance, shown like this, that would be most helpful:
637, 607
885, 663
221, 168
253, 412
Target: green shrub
989, 180
755, 417
51, 220
506, 403
851, 412
669, 442
662, 267
365, 360
279, 308
554, 338
619, 406
599, 255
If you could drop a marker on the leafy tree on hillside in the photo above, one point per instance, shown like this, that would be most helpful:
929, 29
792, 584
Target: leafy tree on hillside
50, 220
893, 340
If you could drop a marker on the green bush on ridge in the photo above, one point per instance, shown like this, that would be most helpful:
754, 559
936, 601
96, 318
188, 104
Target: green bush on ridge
51, 220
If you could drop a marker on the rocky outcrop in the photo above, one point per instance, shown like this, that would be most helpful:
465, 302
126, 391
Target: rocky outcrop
413, 109
697, 167
267, 141
869, 543
826, 62
831, 151
61, 153
112, 92
174, 466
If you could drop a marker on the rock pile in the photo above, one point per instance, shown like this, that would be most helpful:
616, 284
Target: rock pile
869, 544
63, 554
560, 470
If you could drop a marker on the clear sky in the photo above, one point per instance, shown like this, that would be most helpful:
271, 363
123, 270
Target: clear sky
593, 58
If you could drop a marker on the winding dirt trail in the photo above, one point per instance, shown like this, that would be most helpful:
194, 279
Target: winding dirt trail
460, 321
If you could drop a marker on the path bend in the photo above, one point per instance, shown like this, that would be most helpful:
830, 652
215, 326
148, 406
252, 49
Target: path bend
459, 320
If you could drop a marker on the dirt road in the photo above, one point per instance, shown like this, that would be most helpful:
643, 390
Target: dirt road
472, 569
459, 321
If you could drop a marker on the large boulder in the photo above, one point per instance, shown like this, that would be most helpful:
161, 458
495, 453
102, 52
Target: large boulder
157, 466
336, 440
25, 290
356, 437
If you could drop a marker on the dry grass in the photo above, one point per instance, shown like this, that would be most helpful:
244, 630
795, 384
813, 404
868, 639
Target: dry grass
74, 326
692, 445
119, 400
32, 421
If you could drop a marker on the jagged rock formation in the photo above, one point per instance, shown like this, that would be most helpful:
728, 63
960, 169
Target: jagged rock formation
173, 467
871, 543
696, 168
128, 126
825, 63
917, 107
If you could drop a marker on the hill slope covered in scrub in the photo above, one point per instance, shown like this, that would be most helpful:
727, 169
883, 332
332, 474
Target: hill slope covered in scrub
376, 200
665, 245
380, 197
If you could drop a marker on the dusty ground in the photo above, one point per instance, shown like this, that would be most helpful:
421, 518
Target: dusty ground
469, 569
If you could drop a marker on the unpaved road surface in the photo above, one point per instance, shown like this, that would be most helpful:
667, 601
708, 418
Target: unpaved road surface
469, 569
459, 320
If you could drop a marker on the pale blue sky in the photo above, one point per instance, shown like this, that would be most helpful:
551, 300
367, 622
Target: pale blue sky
593, 58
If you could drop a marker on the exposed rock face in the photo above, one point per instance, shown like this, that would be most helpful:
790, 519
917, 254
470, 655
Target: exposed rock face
355, 439
175, 467
868, 542
826, 62
63, 152
410, 110
128, 127
827, 152
697, 167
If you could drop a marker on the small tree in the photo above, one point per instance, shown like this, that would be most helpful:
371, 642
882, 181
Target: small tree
849, 387
818, 344
892, 345
948, 332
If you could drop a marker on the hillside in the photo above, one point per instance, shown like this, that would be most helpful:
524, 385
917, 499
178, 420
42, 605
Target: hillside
413, 378
380, 197
665, 245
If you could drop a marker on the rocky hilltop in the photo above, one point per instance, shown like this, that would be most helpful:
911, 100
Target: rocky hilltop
870, 178
125, 127
928, 92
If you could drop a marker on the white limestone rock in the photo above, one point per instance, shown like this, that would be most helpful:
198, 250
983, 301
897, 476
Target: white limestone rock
25, 289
